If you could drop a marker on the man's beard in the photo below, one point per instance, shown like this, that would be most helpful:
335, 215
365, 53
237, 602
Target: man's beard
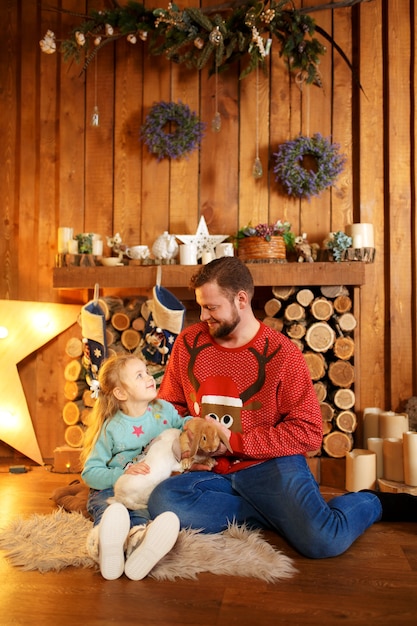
224, 329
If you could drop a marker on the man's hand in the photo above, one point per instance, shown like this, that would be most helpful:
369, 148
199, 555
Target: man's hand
221, 450
225, 434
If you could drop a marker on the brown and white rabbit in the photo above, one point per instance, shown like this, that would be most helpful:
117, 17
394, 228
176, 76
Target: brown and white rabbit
199, 440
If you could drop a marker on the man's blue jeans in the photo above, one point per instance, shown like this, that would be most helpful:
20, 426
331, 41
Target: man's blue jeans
280, 494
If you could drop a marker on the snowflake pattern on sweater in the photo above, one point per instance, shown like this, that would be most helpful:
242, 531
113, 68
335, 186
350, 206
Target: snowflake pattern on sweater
261, 391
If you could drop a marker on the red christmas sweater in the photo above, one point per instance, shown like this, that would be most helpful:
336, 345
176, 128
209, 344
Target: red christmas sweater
261, 391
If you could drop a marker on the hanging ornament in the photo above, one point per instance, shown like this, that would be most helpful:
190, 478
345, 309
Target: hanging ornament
257, 170
199, 43
216, 122
95, 117
215, 36
143, 34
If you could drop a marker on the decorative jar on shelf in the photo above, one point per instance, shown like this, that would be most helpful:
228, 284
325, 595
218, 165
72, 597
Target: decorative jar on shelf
265, 242
259, 249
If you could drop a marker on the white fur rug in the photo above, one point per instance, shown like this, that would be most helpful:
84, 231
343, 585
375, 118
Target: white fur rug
53, 542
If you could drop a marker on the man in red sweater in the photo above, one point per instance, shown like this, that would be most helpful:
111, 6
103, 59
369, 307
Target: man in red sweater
255, 382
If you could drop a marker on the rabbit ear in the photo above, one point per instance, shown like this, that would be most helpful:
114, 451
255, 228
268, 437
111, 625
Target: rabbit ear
225, 440
194, 440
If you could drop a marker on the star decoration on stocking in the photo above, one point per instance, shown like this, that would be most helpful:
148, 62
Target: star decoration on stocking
203, 240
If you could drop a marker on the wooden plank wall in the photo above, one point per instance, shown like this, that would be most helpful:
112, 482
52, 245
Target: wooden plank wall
56, 170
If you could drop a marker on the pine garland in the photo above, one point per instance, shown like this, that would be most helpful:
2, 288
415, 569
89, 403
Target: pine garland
192, 37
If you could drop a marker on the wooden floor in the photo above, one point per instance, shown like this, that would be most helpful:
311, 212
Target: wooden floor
375, 582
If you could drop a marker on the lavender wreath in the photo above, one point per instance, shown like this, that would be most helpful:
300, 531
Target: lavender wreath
185, 136
290, 167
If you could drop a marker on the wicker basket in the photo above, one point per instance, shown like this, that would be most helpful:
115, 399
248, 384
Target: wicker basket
258, 249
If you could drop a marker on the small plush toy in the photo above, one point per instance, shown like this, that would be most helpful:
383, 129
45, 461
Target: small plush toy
72, 497
198, 442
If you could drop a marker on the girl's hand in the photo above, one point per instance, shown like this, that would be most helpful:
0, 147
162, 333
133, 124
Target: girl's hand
138, 468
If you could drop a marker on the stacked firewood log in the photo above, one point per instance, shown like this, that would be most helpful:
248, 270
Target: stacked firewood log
321, 323
318, 320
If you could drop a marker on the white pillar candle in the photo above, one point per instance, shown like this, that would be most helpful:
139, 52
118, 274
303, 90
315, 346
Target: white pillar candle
224, 249
362, 234
393, 425
360, 470
73, 246
206, 257
370, 423
393, 459
188, 254
97, 247
375, 444
64, 236
410, 458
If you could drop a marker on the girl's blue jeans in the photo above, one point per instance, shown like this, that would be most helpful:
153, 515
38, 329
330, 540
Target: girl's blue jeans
279, 494
97, 504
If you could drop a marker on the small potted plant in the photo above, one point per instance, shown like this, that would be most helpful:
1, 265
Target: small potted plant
338, 243
85, 243
265, 242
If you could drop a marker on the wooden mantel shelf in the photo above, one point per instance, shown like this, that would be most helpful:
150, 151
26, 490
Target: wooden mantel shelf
264, 274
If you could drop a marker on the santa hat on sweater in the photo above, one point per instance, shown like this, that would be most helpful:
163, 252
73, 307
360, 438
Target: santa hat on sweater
219, 390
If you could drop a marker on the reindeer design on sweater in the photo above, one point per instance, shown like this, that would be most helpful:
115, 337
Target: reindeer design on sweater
218, 396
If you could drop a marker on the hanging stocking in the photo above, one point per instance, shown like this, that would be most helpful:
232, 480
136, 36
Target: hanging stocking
164, 323
93, 328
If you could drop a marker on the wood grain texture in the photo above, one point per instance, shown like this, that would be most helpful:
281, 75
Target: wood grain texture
399, 181
55, 170
373, 582
368, 189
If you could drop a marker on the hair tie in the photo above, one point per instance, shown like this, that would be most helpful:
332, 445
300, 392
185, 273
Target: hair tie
94, 388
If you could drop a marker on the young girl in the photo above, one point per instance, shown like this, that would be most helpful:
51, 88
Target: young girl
125, 418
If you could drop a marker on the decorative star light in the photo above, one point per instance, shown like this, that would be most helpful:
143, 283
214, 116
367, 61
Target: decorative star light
203, 240
27, 326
